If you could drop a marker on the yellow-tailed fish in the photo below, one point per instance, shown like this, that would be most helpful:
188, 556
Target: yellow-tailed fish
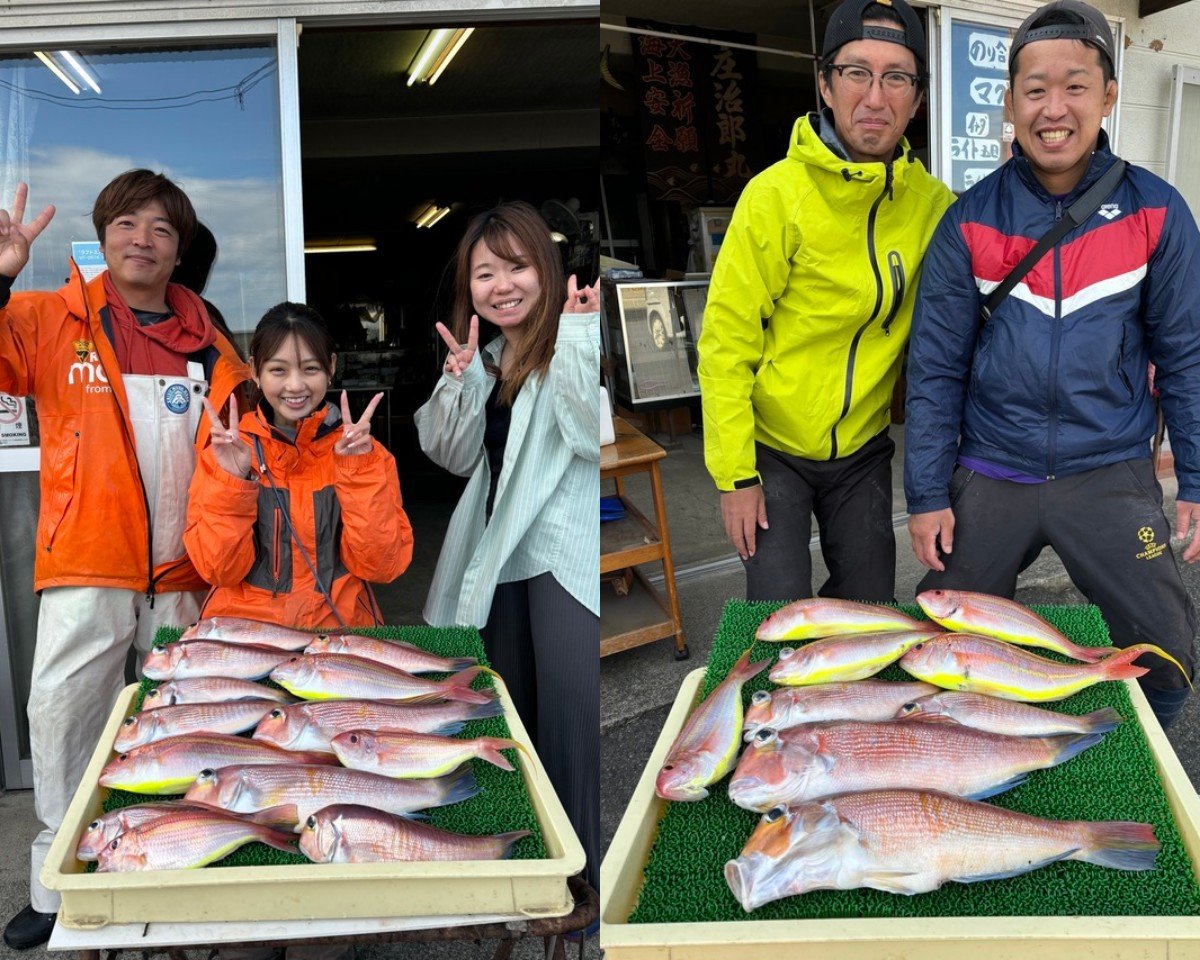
822, 617
394, 653
995, 715
336, 676
310, 726
170, 765
962, 611
211, 658
186, 840
707, 745
233, 716
290, 793
346, 833
912, 841
848, 657
857, 700
962, 661
406, 755
210, 690
240, 630
823, 759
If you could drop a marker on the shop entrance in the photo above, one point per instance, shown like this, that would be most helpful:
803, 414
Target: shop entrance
392, 172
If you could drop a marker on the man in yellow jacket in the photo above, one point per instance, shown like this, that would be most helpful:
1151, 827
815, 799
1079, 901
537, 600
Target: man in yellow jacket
808, 313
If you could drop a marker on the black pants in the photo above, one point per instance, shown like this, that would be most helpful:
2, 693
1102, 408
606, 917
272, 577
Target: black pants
852, 501
1106, 525
546, 646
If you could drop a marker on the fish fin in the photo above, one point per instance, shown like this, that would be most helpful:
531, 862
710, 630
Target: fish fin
460, 785
1150, 648
930, 718
1103, 720
1121, 846
284, 815
319, 757
1072, 744
510, 838
277, 839
744, 670
999, 788
894, 881
1017, 871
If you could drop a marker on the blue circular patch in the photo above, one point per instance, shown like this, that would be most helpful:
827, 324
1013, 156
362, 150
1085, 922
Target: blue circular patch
177, 398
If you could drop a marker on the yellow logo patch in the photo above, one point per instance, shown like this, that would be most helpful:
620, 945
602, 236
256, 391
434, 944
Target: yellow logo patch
1153, 550
83, 349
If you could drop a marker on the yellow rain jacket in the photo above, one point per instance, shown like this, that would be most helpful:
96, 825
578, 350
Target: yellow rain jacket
810, 304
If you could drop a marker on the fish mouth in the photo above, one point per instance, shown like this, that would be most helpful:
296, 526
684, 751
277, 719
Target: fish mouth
745, 876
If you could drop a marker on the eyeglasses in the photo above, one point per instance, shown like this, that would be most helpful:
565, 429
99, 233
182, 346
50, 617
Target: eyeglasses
895, 83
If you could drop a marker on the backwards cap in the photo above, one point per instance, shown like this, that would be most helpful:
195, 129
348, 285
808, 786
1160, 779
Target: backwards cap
846, 25
1094, 30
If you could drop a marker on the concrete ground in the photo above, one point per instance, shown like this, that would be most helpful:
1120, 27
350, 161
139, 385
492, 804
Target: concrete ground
638, 686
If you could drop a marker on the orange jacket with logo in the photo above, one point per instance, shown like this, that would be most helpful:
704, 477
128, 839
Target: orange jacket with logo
93, 526
345, 510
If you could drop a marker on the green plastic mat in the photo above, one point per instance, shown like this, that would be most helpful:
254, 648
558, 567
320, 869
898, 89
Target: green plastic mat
1114, 780
502, 803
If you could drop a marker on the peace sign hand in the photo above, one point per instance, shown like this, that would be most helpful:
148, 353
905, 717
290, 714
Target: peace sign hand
581, 299
459, 357
15, 236
356, 437
231, 452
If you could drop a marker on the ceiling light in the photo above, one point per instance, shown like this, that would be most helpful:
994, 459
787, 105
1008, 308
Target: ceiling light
55, 69
81, 71
436, 52
341, 245
438, 216
430, 214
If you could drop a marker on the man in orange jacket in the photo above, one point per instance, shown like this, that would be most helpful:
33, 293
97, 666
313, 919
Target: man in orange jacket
118, 367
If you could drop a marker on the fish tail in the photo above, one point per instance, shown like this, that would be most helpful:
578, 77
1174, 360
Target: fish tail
284, 815
485, 710
1071, 745
1101, 721
507, 840
1120, 666
278, 839
464, 677
460, 785
744, 670
458, 685
1120, 845
1152, 648
491, 747
1089, 654
461, 663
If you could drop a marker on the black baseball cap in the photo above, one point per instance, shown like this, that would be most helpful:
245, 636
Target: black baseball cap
846, 25
1093, 30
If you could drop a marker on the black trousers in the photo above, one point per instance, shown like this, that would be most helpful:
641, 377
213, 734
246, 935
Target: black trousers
852, 501
546, 646
1107, 526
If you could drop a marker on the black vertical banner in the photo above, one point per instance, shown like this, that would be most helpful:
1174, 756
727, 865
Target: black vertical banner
692, 101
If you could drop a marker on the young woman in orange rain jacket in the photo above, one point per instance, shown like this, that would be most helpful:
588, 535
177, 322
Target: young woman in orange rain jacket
294, 509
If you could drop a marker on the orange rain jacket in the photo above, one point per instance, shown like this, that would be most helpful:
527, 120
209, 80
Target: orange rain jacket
346, 510
93, 526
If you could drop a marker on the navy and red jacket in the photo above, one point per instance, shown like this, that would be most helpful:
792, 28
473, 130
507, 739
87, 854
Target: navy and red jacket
1055, 383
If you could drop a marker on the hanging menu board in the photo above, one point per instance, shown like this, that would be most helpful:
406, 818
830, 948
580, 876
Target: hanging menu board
980, 139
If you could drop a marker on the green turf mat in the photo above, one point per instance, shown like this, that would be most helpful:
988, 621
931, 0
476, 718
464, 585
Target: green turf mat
1114, 780
502, 803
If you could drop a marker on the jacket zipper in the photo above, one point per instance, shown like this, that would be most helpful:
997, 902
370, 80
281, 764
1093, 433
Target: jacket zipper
1054, 346
887, 189
897, 268
276, 549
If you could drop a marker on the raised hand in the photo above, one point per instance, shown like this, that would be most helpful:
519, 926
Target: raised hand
229, 449
16, 236
459, 357
356, 437
581, 299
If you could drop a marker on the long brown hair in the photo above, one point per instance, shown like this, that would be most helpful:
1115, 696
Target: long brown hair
506, 229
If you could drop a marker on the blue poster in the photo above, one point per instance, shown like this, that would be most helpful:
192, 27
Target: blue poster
979, 140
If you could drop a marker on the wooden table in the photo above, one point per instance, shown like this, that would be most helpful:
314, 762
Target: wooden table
645, 615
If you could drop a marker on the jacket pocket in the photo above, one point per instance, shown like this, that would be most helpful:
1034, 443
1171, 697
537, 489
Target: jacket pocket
896, 268
958, 483
62, 486
1121, 371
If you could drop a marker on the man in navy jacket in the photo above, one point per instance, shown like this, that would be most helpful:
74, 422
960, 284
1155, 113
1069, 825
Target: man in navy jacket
1033, 428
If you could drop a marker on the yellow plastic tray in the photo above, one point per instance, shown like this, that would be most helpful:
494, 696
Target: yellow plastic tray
536, 888
947, 938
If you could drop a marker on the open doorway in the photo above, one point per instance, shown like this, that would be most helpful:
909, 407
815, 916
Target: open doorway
513, 117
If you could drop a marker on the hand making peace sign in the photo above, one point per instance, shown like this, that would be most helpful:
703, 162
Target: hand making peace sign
231, 452
356, 437
459, 357
15, 236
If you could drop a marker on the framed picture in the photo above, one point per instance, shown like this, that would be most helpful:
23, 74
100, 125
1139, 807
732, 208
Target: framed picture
652, 334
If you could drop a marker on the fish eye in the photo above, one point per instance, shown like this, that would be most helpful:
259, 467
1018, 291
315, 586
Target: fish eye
668, 766
158, 648
130, 721
919, 645
774, 814
764, 736
786, 652
760, 697
909, 707
123, 756
116, 843
353, 738
311, 822
208, 773
322, 636
94, 825
276, 713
